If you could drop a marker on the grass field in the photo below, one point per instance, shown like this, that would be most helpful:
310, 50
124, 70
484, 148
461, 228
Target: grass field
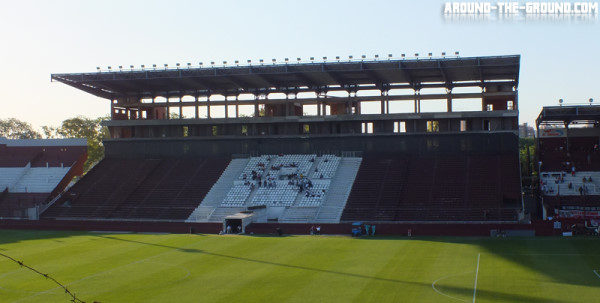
108, 267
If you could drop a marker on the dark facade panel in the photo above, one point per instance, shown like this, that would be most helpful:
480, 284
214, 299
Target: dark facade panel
461, 144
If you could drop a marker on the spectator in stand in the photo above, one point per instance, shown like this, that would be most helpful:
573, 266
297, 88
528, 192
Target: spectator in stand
573, 170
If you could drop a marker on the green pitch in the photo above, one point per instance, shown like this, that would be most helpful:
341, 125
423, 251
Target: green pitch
108, 267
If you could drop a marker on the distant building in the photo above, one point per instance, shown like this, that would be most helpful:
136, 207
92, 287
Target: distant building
34, 171
526, 131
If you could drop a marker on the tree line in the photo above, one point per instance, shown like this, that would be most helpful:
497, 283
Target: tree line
77, 127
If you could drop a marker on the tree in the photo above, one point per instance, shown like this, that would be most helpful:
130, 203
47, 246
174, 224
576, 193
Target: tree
174, 116
82, 127
12, 128
527, 157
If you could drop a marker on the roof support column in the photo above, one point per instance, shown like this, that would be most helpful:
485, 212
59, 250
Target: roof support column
382, 101
568, 149
154, 110
112, 108
237, 107
208, 106
294, 105
287, 104
226, 109
256, 111
168, 109
180, 107
318, 103
387, 102
417, 101
449, 100
483, 105
349, 102
196, 114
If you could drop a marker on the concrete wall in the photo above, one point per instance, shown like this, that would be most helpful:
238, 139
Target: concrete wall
541, 228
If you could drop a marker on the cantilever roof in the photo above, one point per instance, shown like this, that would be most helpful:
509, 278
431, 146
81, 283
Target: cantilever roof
43, 142
568, 114
434, 72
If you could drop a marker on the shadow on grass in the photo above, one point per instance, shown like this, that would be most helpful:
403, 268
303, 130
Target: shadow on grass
8, 236
563, 259
182, 249
493, 296
462, 291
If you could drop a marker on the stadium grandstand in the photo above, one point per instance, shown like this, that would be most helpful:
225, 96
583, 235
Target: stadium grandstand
569, 161
33, 172
387, 141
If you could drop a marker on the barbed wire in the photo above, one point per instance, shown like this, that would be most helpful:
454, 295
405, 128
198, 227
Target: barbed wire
74, 298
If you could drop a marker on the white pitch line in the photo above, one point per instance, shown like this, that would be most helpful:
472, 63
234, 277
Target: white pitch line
596, 273
476, 274
557, 255
443, 294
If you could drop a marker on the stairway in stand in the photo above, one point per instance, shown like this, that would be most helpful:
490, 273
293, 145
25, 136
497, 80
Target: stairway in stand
339, 190
219, 191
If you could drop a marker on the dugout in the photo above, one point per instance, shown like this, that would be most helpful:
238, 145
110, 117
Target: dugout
243, 219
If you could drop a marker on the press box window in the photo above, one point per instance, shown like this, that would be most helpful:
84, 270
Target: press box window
399, 126
367, 127
433, 126
306, 129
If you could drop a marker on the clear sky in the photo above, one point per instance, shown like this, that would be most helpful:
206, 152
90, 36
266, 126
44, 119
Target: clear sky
560, 58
